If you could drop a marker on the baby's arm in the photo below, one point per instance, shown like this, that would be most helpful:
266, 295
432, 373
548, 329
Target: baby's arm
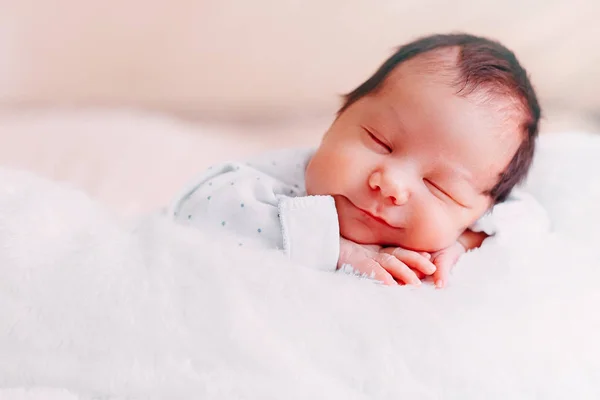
471, 240
519, 215
255, 208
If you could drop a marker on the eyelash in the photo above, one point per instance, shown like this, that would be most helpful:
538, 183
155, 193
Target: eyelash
379, 142
440, 190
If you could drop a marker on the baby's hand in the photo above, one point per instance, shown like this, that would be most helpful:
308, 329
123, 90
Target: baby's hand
387, 265
444, 260
411, 266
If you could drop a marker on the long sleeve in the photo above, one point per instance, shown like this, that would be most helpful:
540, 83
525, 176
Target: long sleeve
310, 230
519, 216
261, 205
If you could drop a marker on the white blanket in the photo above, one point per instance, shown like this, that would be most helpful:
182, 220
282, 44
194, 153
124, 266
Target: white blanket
95, 307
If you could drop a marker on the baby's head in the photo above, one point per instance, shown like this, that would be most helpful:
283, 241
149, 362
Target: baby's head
440, 133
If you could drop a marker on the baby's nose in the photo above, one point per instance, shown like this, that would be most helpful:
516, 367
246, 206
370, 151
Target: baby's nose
400, 197
394, 189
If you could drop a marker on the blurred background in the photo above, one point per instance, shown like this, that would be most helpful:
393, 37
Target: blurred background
127, 99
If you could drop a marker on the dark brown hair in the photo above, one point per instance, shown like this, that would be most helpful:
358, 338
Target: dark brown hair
482, 64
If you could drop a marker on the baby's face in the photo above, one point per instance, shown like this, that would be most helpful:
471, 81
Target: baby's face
411, 165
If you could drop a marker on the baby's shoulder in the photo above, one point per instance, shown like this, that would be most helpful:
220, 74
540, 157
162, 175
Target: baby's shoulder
262, 178
282, 159
286, 165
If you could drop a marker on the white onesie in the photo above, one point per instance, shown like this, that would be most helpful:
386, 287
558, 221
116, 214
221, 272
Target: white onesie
264, 203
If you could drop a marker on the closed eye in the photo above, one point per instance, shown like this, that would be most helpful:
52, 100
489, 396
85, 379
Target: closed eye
379, 142
441, 192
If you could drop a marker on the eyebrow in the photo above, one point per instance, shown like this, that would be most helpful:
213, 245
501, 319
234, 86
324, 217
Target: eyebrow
483, 191
397, 120
466, 176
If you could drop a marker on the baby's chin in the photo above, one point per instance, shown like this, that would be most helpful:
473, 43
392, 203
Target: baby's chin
363, 234
358, 233
407, 239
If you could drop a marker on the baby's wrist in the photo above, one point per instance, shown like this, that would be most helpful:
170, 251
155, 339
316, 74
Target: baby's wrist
470, 240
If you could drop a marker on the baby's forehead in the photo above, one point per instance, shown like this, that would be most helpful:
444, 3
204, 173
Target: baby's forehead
444, 66
504, 109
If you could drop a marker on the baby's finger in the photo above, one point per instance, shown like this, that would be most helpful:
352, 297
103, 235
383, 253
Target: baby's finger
413, 259
374, 270
444, 264
419, 274
398, 269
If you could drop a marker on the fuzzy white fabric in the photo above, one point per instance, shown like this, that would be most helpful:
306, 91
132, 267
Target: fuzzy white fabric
96, 307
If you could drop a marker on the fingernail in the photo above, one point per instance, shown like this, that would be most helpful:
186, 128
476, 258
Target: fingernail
417, 282
432, 269
439, 284
427, 255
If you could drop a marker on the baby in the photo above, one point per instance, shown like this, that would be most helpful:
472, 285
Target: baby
407, 178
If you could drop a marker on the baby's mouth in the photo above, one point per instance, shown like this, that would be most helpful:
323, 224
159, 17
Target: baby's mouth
374, 217
371, 216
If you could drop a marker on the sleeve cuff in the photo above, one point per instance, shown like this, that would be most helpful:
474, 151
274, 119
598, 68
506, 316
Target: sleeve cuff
310, 230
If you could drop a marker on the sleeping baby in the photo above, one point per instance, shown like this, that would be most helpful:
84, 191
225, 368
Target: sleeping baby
418, 167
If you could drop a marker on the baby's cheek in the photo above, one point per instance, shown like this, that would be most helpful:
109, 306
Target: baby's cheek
436, 229
327, 173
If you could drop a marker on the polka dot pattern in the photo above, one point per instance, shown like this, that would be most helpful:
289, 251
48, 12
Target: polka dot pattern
242, 199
